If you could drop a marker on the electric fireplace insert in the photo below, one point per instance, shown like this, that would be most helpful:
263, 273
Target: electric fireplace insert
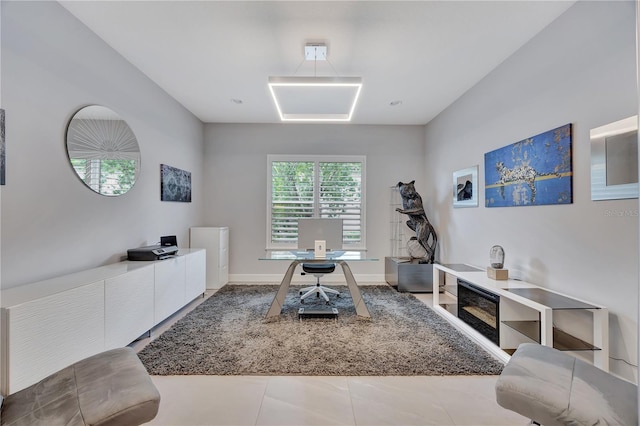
480, 309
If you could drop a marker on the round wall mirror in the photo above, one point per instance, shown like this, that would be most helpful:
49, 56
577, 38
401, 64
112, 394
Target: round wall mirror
103, 150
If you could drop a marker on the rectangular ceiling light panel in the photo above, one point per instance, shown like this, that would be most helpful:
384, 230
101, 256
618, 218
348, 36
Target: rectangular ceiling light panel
315, 98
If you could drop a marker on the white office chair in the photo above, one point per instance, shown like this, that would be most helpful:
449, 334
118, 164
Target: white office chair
318, 270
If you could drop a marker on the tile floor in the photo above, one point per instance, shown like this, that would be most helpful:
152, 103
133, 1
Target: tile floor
296, 400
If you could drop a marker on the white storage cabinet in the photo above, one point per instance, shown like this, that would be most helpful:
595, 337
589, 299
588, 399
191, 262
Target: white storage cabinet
51, 324
216, 242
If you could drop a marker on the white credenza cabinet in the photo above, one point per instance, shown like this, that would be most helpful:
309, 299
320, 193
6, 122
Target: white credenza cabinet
51, 324
216, 241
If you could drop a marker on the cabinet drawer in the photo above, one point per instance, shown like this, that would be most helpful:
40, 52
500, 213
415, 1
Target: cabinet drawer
169, 287
196, 275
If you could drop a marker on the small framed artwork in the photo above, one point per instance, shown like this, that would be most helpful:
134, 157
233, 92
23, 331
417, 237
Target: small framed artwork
175, 184
465, 187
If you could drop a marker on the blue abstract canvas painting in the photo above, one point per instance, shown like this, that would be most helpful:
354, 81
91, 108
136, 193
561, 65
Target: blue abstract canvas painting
534, 171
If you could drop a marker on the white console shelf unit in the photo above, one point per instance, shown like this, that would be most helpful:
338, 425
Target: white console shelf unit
50, 324
523, 318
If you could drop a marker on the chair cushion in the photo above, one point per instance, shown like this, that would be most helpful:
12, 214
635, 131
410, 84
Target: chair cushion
553, 388
319, 268
110, 388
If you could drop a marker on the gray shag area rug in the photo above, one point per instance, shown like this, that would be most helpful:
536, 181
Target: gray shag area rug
228, 335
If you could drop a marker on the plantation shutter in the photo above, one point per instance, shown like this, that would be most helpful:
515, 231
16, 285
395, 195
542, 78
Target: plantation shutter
340, 197
292, 198
313, 187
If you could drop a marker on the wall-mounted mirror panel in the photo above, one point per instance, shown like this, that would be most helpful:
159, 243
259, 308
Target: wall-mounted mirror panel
614, 160
103, 151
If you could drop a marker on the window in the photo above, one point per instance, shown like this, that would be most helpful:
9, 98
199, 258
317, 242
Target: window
315, 186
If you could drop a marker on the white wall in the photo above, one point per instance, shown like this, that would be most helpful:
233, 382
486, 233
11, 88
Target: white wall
638, 111
51, 223
236, 172
581, 70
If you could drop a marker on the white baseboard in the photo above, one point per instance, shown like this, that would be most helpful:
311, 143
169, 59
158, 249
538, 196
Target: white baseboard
336, 278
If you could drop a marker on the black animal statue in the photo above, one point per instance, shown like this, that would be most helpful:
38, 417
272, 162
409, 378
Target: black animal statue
418, 222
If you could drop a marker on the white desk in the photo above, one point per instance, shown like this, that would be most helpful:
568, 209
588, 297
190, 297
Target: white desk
297, 257
520, 312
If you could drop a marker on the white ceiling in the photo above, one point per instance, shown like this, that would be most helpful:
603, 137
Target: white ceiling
206, 54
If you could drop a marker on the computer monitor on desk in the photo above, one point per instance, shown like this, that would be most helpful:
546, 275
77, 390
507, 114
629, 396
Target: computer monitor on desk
312, 229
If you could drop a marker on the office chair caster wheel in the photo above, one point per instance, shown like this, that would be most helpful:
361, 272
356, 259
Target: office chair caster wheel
338, 296
302, 301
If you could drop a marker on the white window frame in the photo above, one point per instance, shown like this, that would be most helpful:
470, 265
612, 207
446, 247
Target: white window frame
361, 246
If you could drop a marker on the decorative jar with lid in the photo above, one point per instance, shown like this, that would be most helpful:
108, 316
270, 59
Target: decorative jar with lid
496, 257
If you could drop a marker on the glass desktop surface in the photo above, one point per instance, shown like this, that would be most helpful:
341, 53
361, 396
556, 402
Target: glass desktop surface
351, 256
